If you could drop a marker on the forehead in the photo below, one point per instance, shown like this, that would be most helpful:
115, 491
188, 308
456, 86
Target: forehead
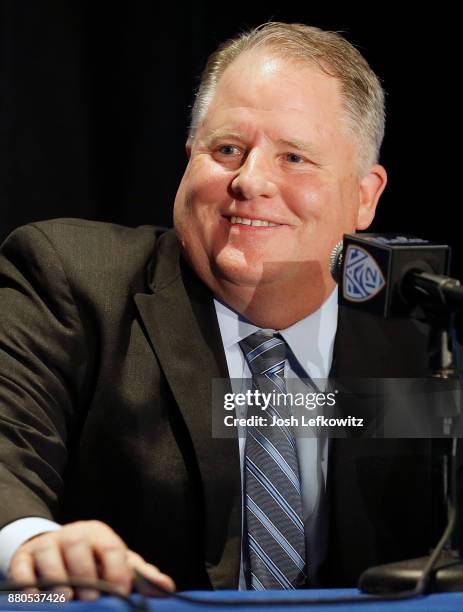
259, 83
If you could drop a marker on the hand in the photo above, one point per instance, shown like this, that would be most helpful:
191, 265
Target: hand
84, 549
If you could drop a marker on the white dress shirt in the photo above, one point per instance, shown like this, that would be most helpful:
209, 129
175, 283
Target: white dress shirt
311, 341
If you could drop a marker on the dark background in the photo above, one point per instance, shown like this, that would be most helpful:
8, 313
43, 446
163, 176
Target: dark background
95, 99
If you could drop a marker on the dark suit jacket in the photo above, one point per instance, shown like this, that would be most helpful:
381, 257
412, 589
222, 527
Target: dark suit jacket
108, 343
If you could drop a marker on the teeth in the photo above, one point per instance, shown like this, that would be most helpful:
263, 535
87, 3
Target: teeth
253, 222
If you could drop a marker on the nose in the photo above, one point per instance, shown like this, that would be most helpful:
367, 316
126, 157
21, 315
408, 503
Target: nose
254, 178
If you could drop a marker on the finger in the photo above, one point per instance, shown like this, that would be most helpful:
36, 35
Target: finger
114, 568
151, 574
111, 554
80, 563
49, 565
22, 570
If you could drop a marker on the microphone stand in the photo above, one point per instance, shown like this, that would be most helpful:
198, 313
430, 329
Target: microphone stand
446, 574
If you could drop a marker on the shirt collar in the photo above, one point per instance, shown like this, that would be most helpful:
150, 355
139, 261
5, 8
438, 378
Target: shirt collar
311, 339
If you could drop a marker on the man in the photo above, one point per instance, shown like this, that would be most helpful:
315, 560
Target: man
110, 338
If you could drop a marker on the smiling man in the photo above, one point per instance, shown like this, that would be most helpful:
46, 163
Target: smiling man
110, 338
275, 179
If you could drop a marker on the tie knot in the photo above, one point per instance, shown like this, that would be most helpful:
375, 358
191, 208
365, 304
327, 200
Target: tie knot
265, 352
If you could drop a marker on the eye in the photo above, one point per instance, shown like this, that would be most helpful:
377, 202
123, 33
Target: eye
228, 155
294, 158
228, 150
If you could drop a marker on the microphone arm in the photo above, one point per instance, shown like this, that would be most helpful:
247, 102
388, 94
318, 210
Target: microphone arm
435, 288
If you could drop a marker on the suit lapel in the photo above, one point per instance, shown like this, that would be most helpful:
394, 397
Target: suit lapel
344, 499
180, 321
362, 345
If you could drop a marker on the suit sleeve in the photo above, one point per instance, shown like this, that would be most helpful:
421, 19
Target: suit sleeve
43, 358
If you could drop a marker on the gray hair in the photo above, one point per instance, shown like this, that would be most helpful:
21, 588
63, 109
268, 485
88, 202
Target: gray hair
361, 91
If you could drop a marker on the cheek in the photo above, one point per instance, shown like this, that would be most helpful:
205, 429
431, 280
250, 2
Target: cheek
201, 197
309, 197
325, 203
207, 187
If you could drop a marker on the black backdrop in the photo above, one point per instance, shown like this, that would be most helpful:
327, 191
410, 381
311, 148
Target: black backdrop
95, 99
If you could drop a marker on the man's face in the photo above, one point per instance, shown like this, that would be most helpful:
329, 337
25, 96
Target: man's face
273, 149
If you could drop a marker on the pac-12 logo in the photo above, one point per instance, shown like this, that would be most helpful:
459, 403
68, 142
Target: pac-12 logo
363, 278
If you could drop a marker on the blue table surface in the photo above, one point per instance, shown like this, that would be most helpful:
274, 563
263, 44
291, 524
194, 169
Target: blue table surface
430, 603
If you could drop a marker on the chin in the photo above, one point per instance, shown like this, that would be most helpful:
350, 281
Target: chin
245, 277
236, 270
248, 275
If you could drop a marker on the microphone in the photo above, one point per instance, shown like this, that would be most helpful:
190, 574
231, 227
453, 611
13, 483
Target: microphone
394, 275
336, 261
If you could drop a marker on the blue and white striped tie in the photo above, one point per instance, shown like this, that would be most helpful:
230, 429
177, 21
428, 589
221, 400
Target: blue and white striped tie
275, 530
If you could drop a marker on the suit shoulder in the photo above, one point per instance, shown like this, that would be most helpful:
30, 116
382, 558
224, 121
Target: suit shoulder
87, 239
86, 249
86, 231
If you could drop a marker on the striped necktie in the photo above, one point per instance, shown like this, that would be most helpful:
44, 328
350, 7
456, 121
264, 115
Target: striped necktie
273, 504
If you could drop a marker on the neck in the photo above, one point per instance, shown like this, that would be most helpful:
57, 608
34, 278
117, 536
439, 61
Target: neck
267, 308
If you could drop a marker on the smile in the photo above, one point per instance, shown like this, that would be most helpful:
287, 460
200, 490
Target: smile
252, 222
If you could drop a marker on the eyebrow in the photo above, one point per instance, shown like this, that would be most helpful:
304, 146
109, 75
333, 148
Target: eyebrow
299, 145
220, 133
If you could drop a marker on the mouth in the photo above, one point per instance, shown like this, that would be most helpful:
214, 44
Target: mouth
247, 222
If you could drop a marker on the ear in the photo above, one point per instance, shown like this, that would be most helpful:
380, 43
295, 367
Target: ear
188, 147
370, 189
